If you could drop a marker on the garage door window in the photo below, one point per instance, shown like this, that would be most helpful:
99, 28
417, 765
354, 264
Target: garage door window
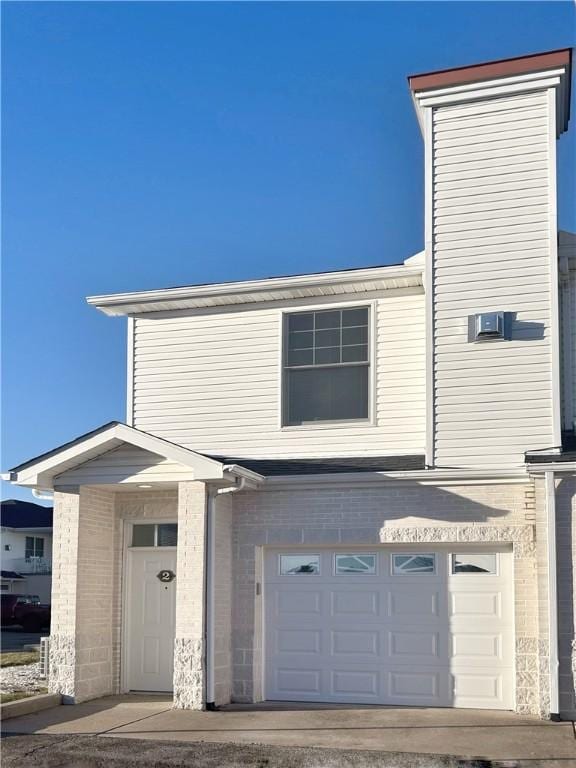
359, 563
475, 563
413, 564
294, 565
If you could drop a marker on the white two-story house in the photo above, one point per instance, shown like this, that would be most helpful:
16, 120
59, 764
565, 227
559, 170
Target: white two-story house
26, 549
354, 486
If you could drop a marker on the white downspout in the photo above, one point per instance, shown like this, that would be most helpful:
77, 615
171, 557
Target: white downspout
210, 591
552, 563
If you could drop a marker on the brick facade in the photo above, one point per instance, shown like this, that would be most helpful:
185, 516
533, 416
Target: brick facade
189, 650
566, 552
83, 584
89, 526
356, 516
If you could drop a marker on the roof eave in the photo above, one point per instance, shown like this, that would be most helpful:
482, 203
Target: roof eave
506, 77
252, 291
40, 473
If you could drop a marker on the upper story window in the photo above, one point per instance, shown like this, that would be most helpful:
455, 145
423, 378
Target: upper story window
326, 366
33, 547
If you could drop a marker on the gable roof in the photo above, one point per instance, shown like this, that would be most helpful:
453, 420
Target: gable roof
24, 514
41, 471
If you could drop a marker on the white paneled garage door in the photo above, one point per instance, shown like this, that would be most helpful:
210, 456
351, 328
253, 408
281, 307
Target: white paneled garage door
420, 627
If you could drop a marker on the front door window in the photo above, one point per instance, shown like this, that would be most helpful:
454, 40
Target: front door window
155, 535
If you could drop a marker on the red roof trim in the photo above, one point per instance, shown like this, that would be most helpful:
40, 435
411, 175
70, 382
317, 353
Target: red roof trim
493, 69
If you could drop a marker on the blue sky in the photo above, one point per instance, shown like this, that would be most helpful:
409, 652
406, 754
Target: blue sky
156, 144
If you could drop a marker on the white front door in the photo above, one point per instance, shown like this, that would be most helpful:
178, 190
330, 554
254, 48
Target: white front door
415, 627
151, 604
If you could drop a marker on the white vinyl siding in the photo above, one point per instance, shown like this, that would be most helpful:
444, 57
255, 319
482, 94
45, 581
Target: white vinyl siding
126, 464
491, 247
211, 381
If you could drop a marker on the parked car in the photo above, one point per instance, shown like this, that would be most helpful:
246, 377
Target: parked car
25, 611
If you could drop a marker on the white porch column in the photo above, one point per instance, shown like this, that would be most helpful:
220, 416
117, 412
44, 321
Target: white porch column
189, 651
82, 594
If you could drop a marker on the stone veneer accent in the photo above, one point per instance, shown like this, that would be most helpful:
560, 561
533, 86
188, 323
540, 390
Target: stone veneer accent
188, 673
62, 666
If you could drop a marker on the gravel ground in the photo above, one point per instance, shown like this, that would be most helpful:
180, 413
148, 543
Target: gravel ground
24, 678
42, 751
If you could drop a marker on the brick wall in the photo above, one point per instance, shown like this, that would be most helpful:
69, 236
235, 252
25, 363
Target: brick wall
190, 597
356, 515
566, 552
223, 598
82, 594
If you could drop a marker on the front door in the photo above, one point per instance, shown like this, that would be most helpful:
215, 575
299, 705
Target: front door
151, 603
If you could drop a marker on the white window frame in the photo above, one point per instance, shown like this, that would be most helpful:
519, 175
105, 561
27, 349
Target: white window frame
299, 554
355, 554
34, 554
155, 524
371, 420
394, 572
453, 573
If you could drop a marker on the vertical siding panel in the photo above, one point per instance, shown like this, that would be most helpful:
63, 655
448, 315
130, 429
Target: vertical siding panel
492, 253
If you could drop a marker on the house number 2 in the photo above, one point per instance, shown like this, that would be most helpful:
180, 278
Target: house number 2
166, 576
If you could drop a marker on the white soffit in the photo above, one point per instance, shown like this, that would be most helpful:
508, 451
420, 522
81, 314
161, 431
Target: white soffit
354, 281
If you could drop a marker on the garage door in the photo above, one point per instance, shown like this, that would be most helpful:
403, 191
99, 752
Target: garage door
415, 627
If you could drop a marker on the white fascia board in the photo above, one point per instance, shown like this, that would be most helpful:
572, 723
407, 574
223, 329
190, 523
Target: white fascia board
41, 473
144, 301
421, 477
533, 81
432, 100
553, 466
511, 80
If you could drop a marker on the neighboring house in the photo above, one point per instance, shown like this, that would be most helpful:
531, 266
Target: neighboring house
354, 486
26, 549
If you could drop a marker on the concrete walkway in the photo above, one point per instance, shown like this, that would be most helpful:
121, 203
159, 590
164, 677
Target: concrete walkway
466, 733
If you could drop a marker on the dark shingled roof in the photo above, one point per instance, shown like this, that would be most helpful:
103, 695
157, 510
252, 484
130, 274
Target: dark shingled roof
10, 575
545, 457
25, 514
276, 467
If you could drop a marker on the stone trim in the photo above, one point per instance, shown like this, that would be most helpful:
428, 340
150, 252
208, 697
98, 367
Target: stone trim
520, 536
62, 666
188, 673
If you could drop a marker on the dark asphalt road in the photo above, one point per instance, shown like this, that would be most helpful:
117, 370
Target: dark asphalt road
13, 639
41, 751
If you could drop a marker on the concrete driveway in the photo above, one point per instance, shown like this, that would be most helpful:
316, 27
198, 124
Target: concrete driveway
465, 733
